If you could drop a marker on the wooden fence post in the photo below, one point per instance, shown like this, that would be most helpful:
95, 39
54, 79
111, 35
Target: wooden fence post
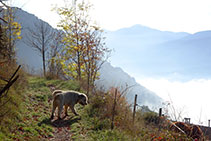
160, 112
134, 108
209, 123
113, 111
160, 115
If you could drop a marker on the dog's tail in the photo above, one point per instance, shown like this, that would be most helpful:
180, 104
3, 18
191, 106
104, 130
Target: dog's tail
56, 92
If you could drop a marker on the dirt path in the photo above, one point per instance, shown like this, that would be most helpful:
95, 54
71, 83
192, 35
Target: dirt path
62, 128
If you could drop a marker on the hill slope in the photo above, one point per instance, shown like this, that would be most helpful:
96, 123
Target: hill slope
116, 77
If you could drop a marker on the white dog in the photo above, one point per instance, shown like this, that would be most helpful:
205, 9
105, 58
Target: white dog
67, 99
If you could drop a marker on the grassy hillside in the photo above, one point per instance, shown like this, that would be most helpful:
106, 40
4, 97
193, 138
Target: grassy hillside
36, 108
33, 117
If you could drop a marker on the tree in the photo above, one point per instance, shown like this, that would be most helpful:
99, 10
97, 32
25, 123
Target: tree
84, 49
39, 37
3, 43
95, 53
72, 26
54, 66
11, 28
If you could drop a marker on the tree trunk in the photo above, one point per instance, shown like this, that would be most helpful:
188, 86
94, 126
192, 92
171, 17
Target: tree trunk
88, 84
79, 66
43, 50
43, 60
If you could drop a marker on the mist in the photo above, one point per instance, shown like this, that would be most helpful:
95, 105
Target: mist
191, 98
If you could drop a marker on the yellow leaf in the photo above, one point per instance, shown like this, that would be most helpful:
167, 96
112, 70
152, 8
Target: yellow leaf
19, 37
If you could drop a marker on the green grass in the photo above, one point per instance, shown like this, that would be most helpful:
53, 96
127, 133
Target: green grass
33, 110
11, 111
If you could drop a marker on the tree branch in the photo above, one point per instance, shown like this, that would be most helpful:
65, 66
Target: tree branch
8, 85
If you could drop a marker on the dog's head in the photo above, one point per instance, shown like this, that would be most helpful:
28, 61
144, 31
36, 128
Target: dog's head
83, 99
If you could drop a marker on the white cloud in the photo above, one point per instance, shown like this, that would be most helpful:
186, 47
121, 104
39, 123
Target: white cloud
194, 96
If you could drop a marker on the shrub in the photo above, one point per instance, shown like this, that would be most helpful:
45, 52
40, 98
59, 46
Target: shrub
101, 106
151, 117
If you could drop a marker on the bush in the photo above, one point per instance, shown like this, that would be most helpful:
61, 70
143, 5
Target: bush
151, 117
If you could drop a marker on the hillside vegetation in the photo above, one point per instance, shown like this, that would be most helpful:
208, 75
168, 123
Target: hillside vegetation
31, 120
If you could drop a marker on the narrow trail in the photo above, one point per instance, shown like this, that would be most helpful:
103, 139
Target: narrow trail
62, 127
61, 130
35, 122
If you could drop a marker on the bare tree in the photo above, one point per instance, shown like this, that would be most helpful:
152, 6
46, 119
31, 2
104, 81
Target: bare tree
40, 38
175, 113
118, 97
55, 51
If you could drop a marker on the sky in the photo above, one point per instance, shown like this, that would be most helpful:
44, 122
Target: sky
167, 15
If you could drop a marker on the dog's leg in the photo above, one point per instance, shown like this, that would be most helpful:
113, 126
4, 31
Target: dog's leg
60, 110
66, 107
53, 110
73, 110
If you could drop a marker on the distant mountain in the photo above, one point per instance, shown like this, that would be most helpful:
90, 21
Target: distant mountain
140, 36
188, 56
147, 52
109, 77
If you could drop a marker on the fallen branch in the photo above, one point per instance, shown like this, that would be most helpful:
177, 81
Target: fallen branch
15, 72
11, 81
8, 85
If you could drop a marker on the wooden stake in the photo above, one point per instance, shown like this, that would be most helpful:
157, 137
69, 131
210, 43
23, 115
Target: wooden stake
113, 111
134, 109
160, 115
160, 112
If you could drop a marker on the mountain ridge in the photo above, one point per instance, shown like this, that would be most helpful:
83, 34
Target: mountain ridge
161, 55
